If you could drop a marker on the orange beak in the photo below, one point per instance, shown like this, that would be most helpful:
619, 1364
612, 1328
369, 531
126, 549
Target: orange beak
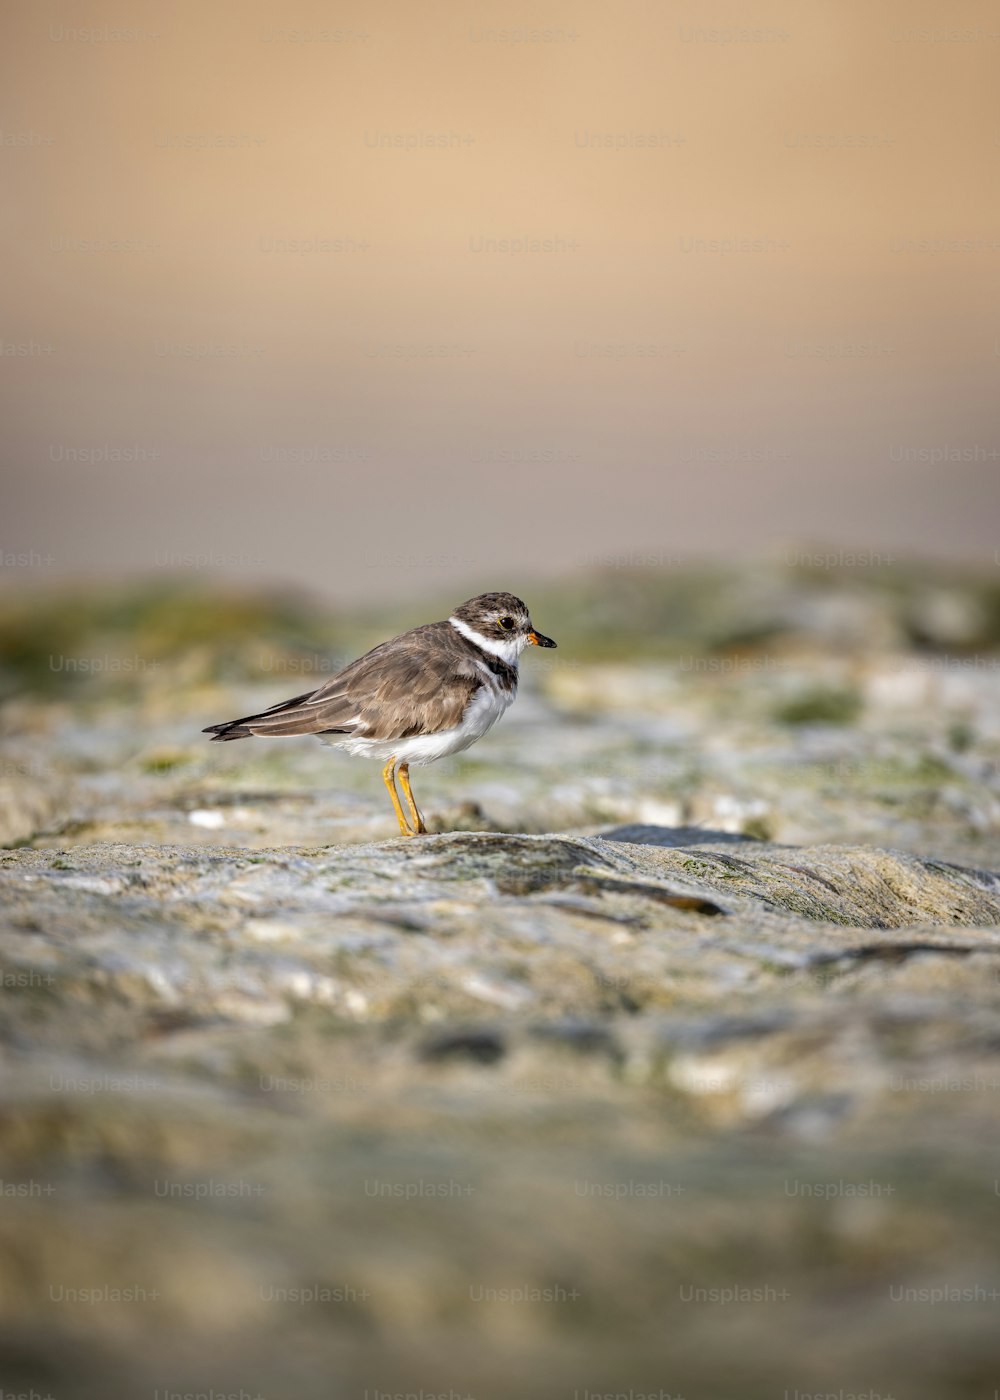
536, 639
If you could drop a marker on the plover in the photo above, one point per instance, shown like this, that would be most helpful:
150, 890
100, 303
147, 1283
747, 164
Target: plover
429, 692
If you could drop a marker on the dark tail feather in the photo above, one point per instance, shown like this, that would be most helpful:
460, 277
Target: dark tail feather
235, 729
239, 728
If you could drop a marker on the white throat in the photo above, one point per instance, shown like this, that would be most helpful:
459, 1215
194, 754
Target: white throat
507, 651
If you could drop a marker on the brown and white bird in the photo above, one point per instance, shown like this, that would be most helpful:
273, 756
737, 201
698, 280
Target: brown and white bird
429, 692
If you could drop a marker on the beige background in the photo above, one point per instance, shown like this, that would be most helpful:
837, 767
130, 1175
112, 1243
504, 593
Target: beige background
483, 416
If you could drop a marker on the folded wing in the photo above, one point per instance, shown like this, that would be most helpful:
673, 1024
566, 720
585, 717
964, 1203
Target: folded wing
419, 683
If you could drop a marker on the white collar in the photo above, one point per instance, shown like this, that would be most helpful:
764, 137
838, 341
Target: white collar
507, 651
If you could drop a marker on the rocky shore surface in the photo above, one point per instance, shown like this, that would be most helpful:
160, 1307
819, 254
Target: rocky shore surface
668, 1065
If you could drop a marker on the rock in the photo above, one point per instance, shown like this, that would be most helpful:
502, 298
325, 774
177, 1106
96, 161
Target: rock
668, 1065
512, 1088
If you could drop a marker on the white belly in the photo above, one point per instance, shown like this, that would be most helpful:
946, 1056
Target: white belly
482, 713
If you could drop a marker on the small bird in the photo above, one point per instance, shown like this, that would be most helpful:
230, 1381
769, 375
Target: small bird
430, 692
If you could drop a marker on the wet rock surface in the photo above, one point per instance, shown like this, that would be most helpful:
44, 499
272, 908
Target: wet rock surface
668, 1065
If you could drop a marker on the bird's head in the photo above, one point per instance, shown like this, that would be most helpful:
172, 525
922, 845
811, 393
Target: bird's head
500, 623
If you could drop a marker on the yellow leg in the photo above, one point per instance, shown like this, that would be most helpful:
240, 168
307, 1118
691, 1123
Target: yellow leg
418, 822
387, 778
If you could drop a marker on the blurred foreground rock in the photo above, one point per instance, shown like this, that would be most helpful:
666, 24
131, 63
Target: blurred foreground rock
498, 1114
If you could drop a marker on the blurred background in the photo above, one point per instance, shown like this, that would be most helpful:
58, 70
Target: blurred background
682, 323
375, 298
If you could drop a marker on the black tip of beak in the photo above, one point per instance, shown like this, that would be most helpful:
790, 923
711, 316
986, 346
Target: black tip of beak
541, 641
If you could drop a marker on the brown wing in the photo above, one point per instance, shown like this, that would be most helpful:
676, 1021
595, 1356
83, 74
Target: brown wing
418, 683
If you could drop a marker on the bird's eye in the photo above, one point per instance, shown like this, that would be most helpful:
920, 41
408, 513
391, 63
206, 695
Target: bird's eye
506, 624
